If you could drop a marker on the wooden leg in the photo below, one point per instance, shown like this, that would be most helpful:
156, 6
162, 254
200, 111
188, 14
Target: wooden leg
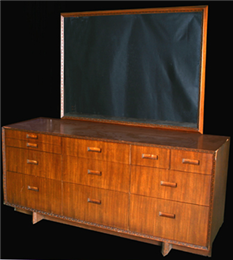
210, 252
36, 217
166, 248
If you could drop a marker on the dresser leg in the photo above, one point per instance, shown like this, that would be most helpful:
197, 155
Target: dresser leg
36, 217
210, 252
166, 248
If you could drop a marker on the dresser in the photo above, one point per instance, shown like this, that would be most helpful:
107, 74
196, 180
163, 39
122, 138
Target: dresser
157, 186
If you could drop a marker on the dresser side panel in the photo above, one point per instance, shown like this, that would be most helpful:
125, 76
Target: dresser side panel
4, 164
219, 194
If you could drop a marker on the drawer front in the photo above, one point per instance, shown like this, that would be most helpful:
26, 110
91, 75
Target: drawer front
173, 185
106, 207
150, 156
29, 136
189, 161
33, 163
33, 145
170, 220
96, 173
112, 152
33, 192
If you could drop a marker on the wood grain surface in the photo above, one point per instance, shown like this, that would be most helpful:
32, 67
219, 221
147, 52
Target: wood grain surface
96, 150
48, 165
96, 173
119, 133
111, 211
189, 161
189, 224
150, 156
45, 194
171, 185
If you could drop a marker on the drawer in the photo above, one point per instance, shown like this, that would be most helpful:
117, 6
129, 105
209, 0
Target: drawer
173, 185
150, 156
106, 207
178, 221
33, 145
34, 192
96, 173
113, 152
29, 136
189, 161
33, 163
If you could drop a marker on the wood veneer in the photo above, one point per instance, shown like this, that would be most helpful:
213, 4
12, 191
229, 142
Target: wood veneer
34, 163
95, 205
219, 188
150, 156
34, 192
173, 220
96, 150
109, 175
110, 189
28, 136
189, 161
173, 185
34, 145
121, 134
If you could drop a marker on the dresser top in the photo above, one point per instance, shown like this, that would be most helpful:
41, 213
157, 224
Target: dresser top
121, 133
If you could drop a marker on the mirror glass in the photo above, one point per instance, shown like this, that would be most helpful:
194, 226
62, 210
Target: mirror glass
139, 68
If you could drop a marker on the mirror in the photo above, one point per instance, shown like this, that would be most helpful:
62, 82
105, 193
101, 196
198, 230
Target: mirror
142, 68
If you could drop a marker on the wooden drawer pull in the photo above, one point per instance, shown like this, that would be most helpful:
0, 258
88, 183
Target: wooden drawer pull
167, 215
94, 201
32, 161
190, 161
94, 149
168, 184
33, 188
149, 156
32, 136
32, 145
94, 172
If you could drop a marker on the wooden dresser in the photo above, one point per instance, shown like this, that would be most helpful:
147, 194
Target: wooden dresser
157, 186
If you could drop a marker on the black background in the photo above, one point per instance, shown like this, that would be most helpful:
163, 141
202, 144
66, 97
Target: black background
30, 87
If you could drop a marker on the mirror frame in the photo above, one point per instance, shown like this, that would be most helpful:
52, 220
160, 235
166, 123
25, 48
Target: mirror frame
203, 9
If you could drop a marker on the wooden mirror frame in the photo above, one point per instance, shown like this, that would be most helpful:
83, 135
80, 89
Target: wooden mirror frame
203, 9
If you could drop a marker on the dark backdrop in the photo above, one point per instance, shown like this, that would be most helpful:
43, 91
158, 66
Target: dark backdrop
30, 87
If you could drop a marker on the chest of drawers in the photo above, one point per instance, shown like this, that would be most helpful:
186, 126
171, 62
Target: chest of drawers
161, 187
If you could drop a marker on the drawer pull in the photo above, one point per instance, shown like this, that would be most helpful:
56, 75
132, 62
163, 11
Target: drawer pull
32, 145
94, 172
167, 215
190, 161
168, 184
149, 156
33, 188
33, 136
94, 201
94, 149
32, 161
